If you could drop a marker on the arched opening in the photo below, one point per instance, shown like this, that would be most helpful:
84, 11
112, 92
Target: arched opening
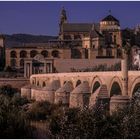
96, 86
13, 54
33, 53
64, 82
37, 83
119, 53
44, 84
75, 53
22, 63
13, 63
115, 89
33, 82
23, 54
44, 53
78, 83
55, 54
136, 88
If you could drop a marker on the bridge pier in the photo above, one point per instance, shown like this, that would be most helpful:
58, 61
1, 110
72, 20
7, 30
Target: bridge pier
120, 101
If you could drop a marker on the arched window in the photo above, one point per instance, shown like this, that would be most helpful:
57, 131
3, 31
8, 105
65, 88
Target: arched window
13, 54
22, 63
115, 89
75, 53
44, 53
55, 53
13, 63
33, 53
23, 54
95, 86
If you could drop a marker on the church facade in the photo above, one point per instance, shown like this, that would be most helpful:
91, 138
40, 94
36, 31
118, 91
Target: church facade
90, 41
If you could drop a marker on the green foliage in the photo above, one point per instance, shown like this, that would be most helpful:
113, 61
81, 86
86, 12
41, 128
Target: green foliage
41, 110
19, 101
96, 123
8, 90
13, 122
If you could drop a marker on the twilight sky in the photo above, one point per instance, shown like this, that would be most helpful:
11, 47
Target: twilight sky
42, 18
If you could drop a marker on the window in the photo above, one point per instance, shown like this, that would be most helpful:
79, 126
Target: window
75, 53
33, 53
55, 54
23, 54
114, 39
13, 63
22, 63
44, 53
13, 54
119, 53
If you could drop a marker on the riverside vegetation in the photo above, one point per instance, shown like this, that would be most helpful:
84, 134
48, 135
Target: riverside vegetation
16, 115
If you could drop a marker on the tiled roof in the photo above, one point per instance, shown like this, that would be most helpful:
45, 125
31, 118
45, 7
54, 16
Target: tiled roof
77, 27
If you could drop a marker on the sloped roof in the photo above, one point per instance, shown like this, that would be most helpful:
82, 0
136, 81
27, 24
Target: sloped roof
94, 33
110, 18
77, 27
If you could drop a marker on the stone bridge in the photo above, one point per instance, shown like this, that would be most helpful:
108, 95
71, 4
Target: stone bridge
84, 88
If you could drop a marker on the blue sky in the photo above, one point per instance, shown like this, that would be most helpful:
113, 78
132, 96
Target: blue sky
42, 18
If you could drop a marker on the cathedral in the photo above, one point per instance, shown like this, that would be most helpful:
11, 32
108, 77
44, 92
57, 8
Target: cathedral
77, 43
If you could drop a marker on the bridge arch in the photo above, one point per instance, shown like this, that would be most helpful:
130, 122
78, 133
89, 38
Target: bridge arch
96, 83
115, 87
44, 84
135, 86
78, 82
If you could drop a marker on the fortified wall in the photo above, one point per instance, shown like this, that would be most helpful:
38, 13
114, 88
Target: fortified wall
84, 89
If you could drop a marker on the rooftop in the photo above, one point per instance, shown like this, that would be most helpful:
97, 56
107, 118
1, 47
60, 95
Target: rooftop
110, 18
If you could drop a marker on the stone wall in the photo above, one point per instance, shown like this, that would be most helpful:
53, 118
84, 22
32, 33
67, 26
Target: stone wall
14, 82
65, 65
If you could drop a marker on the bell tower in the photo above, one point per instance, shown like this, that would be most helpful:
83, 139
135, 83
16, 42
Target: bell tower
63, 19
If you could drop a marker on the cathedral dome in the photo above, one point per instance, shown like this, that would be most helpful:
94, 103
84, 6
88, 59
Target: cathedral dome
110, 18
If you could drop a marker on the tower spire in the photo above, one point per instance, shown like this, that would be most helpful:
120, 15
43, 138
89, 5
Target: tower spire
63, 18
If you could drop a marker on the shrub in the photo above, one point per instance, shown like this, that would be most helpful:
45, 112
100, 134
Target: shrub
8, 90
13, 121
41, 110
